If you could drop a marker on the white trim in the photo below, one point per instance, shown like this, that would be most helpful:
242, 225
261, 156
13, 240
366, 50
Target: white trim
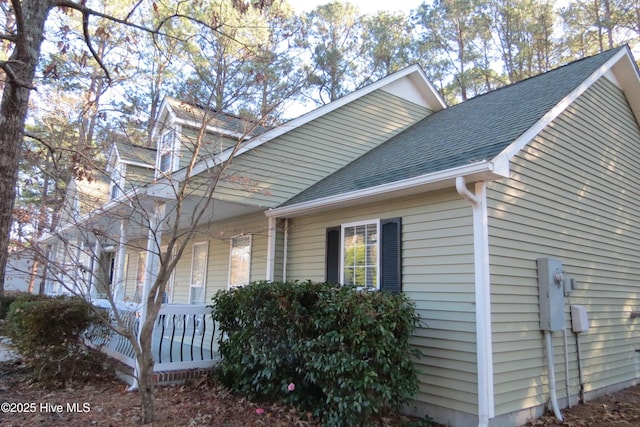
271, 249
172, 277
164, 110
480, 171
214, 129
204, 277
139, 164
378, 255
484, 350
517, 145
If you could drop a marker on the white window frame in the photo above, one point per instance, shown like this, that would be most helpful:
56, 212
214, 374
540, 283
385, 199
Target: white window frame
344, 226
117, 181
203, 285
170, 147
234, 239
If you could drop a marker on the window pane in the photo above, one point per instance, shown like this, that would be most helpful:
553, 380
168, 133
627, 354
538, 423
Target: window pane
165, 162
240, 261
198, 273
199, 265
360, 255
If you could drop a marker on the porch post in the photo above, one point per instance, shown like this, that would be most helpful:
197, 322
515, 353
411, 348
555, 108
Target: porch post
271, 249
119, 279
97, 252
154, 239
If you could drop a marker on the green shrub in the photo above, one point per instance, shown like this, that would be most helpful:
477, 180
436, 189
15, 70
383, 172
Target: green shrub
46, 331
346, 352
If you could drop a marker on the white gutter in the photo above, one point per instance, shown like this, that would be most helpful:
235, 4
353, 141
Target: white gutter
485, 170
478, 201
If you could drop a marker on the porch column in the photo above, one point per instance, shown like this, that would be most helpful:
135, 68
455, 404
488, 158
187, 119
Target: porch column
95, 270
118, 293
271, 249
154, 239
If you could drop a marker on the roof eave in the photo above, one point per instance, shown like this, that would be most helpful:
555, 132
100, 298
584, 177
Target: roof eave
474, 172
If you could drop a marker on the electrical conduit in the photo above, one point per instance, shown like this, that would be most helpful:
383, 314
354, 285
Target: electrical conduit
552, 375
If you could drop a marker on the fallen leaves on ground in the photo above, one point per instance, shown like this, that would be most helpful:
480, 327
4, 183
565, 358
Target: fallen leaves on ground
618, 409
108, 403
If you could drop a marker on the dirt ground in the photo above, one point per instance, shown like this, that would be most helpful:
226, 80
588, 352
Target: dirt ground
618, 409
106, 402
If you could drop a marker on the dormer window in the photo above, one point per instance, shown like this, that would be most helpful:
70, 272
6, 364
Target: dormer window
117, 181
167, 152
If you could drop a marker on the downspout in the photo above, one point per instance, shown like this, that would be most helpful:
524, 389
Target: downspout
285, 250
478, 202
271, 249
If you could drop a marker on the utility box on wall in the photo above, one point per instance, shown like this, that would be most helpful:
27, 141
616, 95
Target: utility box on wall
579, 318
551, 294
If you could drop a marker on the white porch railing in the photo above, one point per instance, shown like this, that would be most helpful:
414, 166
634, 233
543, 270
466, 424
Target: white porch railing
184, 337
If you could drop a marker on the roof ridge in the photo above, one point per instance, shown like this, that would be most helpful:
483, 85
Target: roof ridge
545, 73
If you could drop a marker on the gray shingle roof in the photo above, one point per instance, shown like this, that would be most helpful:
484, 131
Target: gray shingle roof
136, 153
475, 130
187, 111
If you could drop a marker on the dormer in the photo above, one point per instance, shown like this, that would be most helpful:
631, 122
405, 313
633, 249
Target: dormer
177, 133
129, 166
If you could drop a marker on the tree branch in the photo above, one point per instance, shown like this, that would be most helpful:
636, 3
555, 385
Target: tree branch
87, 40
6, 67
19, 17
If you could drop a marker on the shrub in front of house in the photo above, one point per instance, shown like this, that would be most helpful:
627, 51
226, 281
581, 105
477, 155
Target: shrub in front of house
46, 331
341, 354
6, 301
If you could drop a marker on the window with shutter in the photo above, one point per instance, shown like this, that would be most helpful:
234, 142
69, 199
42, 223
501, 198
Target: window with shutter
366, 254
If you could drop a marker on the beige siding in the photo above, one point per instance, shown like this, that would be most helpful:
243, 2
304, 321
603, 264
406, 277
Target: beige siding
316, 149
437, 273
574, 196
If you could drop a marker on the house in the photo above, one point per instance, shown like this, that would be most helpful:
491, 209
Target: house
510, 219
17, 276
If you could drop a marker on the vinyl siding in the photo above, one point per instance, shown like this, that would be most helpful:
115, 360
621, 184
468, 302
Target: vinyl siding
316, 149
212, 144
218, 236
574, 196
136, 176
437, 273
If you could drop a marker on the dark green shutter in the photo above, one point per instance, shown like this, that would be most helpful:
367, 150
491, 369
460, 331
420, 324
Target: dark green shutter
333, 255
391, 255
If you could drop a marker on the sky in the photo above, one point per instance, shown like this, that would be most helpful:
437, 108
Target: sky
365, 6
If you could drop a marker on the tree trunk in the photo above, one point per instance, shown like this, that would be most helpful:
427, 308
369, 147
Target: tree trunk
13, 110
